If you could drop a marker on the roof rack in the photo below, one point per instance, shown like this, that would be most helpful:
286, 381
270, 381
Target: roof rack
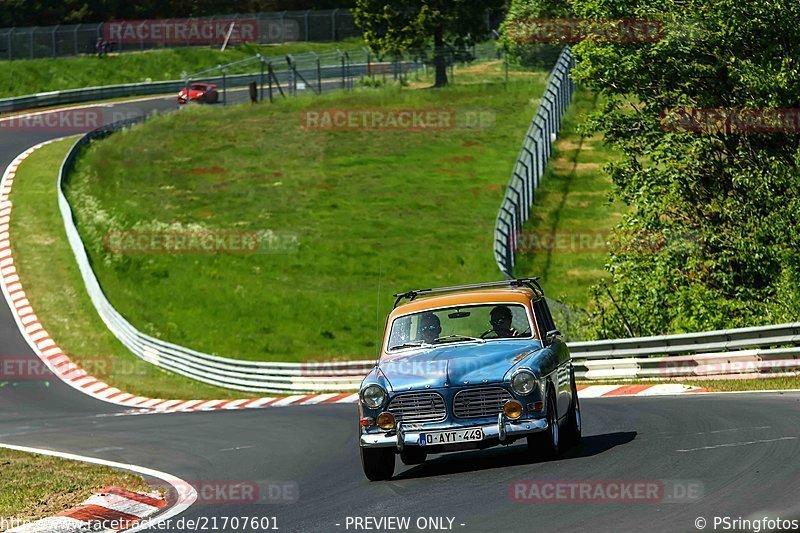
531, 283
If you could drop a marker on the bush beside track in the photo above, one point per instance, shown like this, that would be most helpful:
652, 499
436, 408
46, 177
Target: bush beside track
400, 208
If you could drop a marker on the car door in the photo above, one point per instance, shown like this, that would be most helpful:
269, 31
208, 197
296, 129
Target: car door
561, 376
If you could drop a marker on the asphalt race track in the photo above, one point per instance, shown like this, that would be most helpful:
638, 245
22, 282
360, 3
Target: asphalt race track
737, 452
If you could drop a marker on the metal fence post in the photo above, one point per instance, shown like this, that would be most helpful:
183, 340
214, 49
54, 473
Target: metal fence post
344, 80
224, 87
53, 38
333, 24
32, 32
307, 15
271, 74
10, 56
261, 62
319, 74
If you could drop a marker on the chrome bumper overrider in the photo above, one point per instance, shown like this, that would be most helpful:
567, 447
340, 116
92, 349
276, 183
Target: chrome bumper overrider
502, 430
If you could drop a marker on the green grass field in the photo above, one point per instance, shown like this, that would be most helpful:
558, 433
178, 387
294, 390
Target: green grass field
53, 284
40, 75
36, 486
371, 212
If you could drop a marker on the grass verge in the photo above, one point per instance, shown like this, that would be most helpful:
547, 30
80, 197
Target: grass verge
366, 212
39, 75
37, 486
718, 385
55, 289
564, 240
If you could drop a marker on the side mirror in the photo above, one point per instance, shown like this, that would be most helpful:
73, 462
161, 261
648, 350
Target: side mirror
551, 336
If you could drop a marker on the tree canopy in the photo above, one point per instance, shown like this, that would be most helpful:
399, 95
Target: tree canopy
393, 26
723, 194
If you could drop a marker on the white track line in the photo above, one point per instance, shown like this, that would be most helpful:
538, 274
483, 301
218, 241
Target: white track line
188, 494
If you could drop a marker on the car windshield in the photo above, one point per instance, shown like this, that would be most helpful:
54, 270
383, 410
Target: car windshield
198, 87
478, 323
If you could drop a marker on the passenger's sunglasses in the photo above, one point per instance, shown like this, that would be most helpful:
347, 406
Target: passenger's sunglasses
429, 327
498, 321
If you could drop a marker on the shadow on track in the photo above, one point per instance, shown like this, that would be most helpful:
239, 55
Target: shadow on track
514, 455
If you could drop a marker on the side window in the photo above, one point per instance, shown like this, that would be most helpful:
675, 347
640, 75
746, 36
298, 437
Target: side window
543, 317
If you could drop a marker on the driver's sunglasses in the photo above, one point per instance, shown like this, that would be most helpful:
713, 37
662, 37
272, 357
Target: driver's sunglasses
498, 321
429, 327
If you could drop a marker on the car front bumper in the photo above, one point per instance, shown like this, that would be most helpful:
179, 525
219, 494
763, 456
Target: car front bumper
504, 431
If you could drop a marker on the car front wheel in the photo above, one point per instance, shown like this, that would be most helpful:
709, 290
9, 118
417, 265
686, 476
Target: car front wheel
413, 456
546, 444
378, 463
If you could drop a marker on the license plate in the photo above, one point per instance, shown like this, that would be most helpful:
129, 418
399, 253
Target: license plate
451, 436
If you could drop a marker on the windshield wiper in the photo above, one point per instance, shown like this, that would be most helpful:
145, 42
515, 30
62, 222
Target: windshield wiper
412, 344
460, 337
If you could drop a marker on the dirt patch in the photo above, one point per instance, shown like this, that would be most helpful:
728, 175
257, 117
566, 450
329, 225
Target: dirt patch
461, 159
200, 171
489, 188
566, 145
563, 164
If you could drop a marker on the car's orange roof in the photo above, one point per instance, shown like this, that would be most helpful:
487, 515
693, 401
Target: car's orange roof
480, 296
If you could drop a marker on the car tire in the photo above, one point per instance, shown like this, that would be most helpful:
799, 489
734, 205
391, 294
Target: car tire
378, 463
547, 444
572, 432
413, 456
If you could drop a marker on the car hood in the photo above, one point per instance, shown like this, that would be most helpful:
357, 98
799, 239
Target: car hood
455, 365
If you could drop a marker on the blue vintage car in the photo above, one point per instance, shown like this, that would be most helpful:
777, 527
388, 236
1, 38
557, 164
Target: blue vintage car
464, 368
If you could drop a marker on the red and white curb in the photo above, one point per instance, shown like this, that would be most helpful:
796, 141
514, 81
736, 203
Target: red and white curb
664, 389
112, 509
134, 511
63, 367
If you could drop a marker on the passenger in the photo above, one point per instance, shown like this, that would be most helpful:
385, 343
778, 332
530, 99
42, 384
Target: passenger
500, 318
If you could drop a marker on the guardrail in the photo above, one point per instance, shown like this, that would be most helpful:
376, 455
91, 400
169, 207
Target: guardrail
284, 77
531, 162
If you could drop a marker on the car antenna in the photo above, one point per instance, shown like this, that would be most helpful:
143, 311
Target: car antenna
378, 314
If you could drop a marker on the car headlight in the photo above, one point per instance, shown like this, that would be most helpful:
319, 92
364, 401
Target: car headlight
373, 396
523, 382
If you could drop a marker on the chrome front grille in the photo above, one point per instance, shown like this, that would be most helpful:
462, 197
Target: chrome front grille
417, 407
476, 403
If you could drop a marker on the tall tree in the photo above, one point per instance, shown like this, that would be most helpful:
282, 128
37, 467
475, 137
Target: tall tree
724, 195
393, 26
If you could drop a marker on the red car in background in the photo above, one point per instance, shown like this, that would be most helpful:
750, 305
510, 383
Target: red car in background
205, 93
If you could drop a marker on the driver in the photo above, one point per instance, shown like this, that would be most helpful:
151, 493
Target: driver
500, 319
429, 328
